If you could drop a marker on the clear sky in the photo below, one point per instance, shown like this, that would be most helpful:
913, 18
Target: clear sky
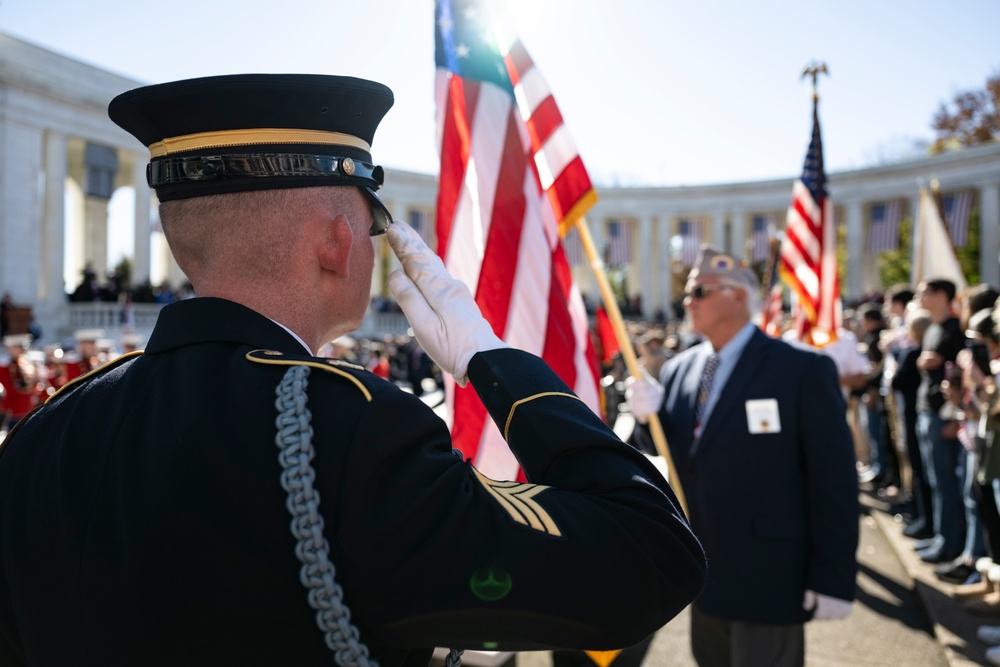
655, 92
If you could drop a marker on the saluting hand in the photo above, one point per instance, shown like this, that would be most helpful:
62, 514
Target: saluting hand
444, 316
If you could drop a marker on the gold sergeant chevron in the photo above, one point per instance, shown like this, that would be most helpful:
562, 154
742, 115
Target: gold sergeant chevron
518, 500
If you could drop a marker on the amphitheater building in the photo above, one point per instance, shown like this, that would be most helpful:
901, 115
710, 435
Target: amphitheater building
64, 167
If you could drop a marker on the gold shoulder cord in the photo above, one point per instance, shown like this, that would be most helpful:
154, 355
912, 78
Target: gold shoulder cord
275, 358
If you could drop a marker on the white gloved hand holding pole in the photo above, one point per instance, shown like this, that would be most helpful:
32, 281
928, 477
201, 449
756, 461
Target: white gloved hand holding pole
445, 318
644, 397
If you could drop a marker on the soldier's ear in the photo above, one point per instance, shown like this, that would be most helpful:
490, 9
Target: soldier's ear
334, 247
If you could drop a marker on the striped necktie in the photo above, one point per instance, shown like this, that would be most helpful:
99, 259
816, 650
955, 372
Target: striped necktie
705, 388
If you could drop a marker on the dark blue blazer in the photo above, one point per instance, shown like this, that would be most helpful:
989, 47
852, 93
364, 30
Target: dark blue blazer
776, 512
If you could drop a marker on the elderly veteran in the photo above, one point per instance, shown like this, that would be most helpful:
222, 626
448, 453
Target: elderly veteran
227, 498
756, 428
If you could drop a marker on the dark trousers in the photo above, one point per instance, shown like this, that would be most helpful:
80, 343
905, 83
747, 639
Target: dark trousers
720, 642
986, 495
923, 510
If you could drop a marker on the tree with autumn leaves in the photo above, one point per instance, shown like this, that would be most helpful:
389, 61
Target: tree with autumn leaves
971, 119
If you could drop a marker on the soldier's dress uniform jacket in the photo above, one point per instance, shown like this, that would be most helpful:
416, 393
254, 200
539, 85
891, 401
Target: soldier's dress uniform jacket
144, 523
776, 509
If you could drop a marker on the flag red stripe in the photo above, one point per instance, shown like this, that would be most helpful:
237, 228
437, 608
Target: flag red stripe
569, 187
560, 342
811, 225
470, 418
496, 282
518, 61
455, 147
545, 120
794, 239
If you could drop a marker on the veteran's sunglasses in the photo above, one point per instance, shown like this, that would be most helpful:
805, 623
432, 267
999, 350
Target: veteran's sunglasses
699, 292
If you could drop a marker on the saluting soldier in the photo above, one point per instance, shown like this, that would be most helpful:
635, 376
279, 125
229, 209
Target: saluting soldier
228, 498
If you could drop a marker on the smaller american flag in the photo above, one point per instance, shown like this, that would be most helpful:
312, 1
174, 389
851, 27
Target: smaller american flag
957, 207
619, 245
883, 233
690, 233
762, 230
421, 223
573, 247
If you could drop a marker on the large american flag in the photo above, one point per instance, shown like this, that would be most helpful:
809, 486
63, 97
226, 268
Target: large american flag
808, 252
510, 181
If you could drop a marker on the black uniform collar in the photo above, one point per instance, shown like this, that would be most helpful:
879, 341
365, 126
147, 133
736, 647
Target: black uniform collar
212, 320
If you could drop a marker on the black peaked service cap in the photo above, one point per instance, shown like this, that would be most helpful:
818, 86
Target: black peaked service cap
247, 132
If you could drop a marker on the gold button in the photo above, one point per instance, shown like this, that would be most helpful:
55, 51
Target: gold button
347, 166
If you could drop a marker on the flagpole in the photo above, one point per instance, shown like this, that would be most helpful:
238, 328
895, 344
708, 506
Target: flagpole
628, 353
773, 252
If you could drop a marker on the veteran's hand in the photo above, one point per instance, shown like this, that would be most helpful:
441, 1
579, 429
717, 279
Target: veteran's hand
444, 316
644, 397
824, 607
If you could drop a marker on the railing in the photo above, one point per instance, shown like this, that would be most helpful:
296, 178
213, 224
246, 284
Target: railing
110, 318
378, 324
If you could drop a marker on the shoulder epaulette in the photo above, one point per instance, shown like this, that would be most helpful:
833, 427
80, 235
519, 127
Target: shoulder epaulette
335, 366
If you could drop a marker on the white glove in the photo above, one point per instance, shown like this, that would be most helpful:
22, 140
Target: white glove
826, 608
644, 397
441, 310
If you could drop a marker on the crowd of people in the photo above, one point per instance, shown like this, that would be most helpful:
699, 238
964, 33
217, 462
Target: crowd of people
117, 287
30, 373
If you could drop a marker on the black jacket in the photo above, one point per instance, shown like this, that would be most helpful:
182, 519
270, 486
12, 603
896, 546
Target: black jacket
143, 520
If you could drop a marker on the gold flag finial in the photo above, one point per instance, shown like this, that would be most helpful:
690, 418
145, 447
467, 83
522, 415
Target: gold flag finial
814, 70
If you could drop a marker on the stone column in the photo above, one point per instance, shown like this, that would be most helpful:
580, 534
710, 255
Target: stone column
719, 231
95, 235
738, 225
141, 256
989, 234
855, 232
914, 219
51, 288
646, 265
664, 275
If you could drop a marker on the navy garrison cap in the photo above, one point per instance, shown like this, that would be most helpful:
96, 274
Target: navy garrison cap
713, 262
246, 132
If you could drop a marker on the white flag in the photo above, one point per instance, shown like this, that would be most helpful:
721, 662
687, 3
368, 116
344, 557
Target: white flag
934, 256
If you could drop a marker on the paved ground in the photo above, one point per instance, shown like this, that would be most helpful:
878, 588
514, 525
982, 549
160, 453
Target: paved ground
888, 625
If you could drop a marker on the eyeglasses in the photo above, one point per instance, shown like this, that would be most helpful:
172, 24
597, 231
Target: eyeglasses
701, 291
